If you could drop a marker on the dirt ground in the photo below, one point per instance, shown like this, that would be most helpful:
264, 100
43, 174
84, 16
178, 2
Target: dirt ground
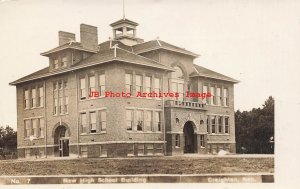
141, 165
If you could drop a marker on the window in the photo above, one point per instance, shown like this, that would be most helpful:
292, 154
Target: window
91, 84
103, 151
83, 150
202, 141
213, 95
138, 83
139, 120
27, 153
66, 104
157, 121
220, 125
93, 122
219, 98
82, 88
177, 87
205, 90
35, 127
158, 149
157, 85
140, 150
226, 124
102, 120
41, 96
102, 84
207, 124
60, 107
27, 128
55, 63
178, 73
128, 83
55, 106
60, 97
26, 99
148, 84
42, 126
83, 123
129, 119
225, 102
55, 86
213, 124
177, 141
150, 149
64, 61
130, 150
65, 85
148, 121
177, 83
60, 85
33, 97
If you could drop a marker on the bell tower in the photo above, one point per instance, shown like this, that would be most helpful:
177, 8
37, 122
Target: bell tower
124, 30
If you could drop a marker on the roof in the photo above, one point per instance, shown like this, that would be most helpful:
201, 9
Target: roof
124, 21
204, 72
106, 45
70, 45
105, 56
125, 56
158, 44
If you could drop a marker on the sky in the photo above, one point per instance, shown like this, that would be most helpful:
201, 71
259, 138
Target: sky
255, 42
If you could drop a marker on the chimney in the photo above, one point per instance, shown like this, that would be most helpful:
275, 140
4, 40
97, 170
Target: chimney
89, 37
65, 37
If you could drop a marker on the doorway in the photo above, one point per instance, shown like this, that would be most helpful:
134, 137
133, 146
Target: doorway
61, 142
189, 137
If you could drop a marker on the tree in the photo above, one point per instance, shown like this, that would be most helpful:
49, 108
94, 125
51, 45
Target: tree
255, 129
8, 138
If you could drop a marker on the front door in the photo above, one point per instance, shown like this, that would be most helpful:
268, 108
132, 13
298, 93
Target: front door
63, 147
189, 138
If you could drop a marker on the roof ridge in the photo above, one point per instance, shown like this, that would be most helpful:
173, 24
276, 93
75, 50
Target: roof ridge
142, 56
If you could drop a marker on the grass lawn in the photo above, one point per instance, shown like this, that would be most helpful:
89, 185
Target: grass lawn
143, 165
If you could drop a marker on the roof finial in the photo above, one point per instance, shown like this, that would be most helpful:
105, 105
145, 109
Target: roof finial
123, 9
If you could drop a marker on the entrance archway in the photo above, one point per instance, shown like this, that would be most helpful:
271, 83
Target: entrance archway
189, 137
61, 141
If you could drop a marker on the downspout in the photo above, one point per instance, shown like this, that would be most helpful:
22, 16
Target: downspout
163, 115
45, 116
77, 115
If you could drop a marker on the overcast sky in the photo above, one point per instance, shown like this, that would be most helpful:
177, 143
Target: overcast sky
254, 42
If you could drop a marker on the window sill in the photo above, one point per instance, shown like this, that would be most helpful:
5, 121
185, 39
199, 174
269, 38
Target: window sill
144, 132
213, 105
218, 134
27, 139
87, 134
147, 98
56, 115
94, 98
34, 108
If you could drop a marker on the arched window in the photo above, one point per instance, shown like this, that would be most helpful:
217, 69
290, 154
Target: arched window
177, 82
177, 140
178, 74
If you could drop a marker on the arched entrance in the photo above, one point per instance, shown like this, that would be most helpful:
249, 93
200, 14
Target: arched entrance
61, 141
189, 137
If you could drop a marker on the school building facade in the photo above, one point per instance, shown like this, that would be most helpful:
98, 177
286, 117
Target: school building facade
57, 116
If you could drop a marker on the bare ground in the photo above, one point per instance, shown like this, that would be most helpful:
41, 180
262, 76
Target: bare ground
141, 165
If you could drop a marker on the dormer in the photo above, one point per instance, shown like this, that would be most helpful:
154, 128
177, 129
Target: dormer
124, 30
70, 52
